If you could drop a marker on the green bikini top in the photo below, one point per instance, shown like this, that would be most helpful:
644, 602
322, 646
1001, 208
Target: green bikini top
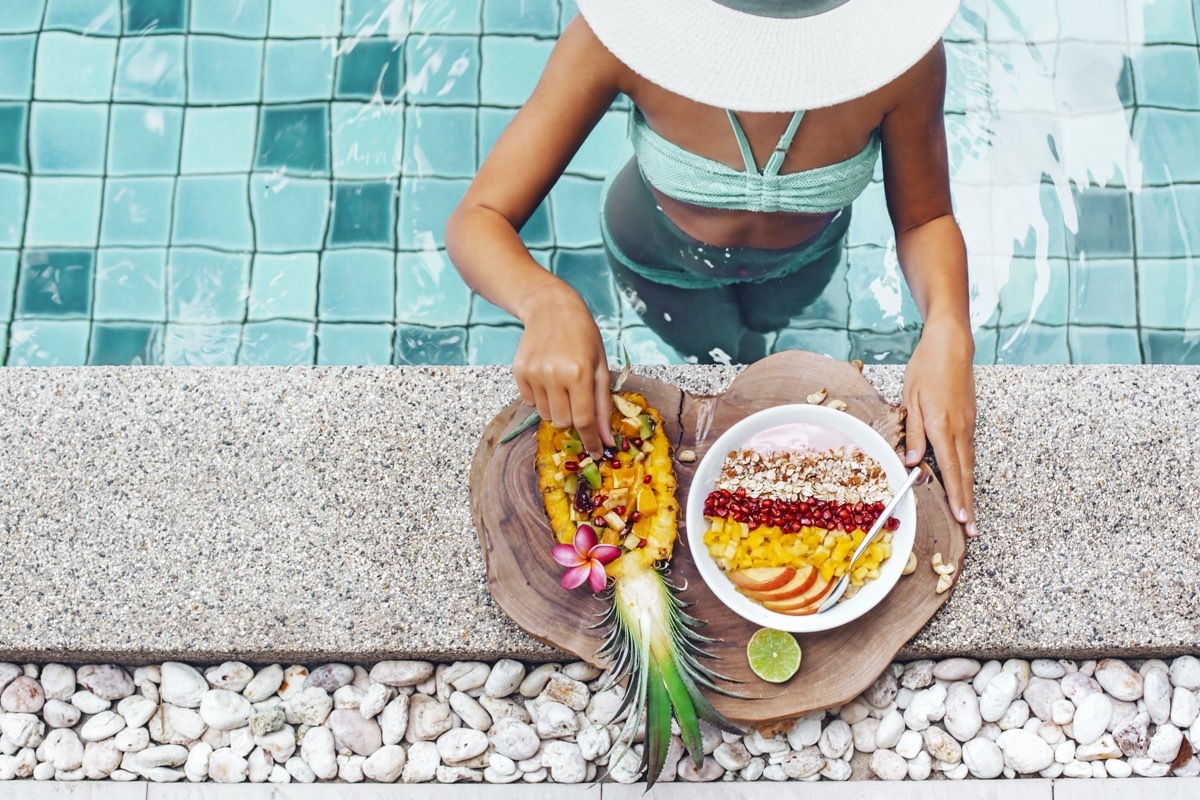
700, 181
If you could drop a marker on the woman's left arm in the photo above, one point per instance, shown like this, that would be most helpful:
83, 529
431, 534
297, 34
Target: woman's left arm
939, 384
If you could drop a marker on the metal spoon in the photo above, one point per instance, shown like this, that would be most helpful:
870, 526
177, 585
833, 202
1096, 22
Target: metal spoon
840, 587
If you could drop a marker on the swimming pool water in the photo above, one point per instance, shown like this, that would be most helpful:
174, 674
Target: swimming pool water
267, 182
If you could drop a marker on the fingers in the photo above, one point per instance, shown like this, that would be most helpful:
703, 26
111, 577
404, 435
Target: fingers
584, 417
560, 406
914, 433
966, 450
603, 402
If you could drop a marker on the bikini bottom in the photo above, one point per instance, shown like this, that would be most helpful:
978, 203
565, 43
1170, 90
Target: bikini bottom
712, 304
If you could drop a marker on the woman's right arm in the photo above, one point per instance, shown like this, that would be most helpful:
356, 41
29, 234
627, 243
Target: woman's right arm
560, 366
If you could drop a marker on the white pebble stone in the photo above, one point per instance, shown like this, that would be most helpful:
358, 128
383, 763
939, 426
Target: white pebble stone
1184, 707
556, 721
1189, 770
1185, 673
917, 674
920, 767
427, 719
754, 770
182, 685
990, 730
1091, 718
505, 677
1149, 768
942, 745
910, 744
928, 705
1104, 747
461, 744
957, 772
1047, 668
983, 758
774, 772
470, 711
393, 720
1024, 752
1098, 770
758, 744
1125, 711
350, 768
732, 756
1055, 770
805, 731
956, 669
279, 774
837, 737
225, 709
1078, 685
962, 718
1065, 752
1049, 733
294, 678
565, 762
45, 772
1077, 769
89, 703
317, 750
890, 729
997, 696
537, 776
156, 775
386, 764
603, 707
232, 675
1041, 694
1015, 716
1156, 691
102, 726
561, 688
62, 748
1117, 768
264, 683
132, 740
299, 770
800, 764
1020, 668
1062, 711
226, 766
882, 692
888, 766
904, 697
853, 712
533, 683
281, 743
989, 670
375, 699
837, 770
58, 714
513, 738
137, 710
1164, 744
58, 682
261, 763
348, 697
196, 765
1119, 680
241, 741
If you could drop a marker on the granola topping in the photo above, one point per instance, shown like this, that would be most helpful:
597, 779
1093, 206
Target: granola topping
840, 475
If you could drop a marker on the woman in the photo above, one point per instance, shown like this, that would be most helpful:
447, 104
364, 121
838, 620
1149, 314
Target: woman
727, 223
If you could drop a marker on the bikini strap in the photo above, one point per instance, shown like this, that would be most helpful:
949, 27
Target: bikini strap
776, 160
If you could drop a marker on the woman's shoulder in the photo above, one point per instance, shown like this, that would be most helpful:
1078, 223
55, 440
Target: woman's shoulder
578, 45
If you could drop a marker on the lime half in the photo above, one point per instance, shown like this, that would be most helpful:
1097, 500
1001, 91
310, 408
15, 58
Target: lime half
774, 655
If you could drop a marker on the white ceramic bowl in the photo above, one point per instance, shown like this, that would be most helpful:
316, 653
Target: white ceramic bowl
867, 440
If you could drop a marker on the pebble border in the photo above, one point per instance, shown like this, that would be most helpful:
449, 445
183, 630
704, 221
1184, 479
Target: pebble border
416, 722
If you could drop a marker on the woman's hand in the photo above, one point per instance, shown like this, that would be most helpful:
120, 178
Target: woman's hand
939, 391
561, 367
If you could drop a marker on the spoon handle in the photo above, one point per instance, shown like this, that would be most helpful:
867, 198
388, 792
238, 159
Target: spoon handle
886, 514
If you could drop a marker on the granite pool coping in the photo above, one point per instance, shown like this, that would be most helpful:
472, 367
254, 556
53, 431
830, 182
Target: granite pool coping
306, 514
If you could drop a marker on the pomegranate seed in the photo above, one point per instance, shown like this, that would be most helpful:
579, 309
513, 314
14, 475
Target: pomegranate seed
794, 527
641, 542
637, 442
741, 492
806, 521
721, 512
646, 479
599, 522
635, 516
620, 511
571, 466
753, 523
615, 463
768, 503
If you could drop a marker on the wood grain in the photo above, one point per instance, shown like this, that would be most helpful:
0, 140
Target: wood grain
837, 665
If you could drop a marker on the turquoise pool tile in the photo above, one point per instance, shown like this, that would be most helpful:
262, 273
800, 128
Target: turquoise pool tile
511, 68
131, 284
485, 313
201, 345
12, 209
55, 283
357, 286
354, 343
826, 341
425, 205
599, 154
66, 138
367, 140
144, 140
1103, 293
126, 344
832, 308
1168, 220
1017, 294
205, 286
1161, 347
219, 139
8, 284
447, 16
224, 71
48, 343
1105, 228
23, 16
587, 272
16, 66
1167, 142
442, 69
298, 70
363, 214
441, 142
1168, 75
279, 343
883, 348
370, 67
283, 286
137, 211
575, 203
244, 18
429, 291
875, 291
1162, 22
420, 345
301, 18
74, 67
537, 230
1056, 235
213, 211
150, 68
1033, 344
63, 212
1168, 293
643, 345
505, 16
12, 136
375, 17
1104, 345
149, 16
294, 137
492, 122
289, 214
986, 341
489, 344
869, 220
102, 17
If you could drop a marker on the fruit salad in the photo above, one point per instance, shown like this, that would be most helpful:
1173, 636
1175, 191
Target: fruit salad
789, 510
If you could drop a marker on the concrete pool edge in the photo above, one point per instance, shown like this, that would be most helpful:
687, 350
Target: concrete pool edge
319, 513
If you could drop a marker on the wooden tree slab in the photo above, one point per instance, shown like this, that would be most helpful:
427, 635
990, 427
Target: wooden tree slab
837, 665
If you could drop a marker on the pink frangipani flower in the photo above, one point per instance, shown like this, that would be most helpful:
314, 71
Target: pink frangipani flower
585, 559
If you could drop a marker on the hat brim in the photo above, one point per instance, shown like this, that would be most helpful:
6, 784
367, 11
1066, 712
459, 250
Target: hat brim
714, 55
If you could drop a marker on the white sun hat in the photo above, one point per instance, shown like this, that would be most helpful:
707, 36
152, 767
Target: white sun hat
769, 55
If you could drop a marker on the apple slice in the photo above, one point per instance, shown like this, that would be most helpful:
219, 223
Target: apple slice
797, 605
796, 587
761, 579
